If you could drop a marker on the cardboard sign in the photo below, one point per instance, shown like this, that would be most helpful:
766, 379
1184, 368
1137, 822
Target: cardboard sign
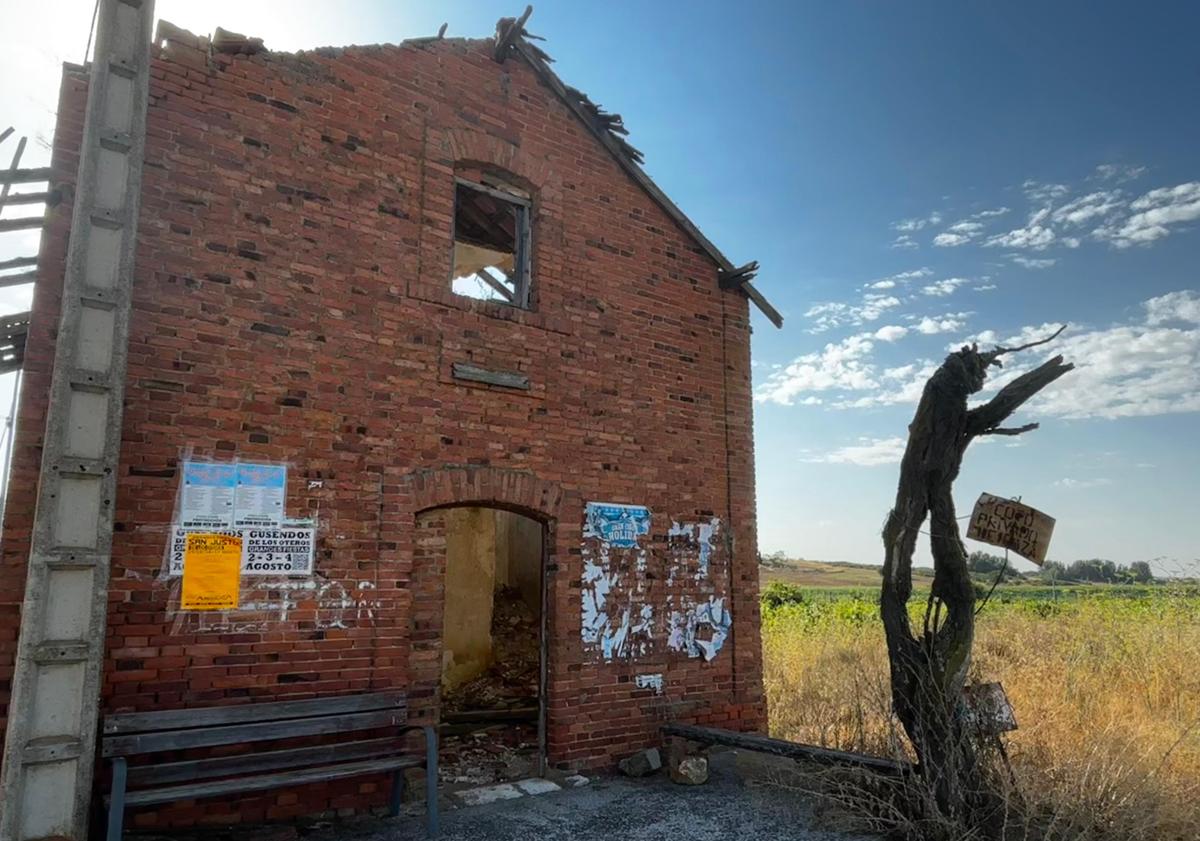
1011, 525
212, 567
987, 709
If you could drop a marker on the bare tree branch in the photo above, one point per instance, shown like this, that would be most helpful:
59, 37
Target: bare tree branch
993, 356
1010, 398
1010, 430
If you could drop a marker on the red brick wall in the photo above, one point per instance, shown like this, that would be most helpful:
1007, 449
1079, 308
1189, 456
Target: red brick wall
292, 304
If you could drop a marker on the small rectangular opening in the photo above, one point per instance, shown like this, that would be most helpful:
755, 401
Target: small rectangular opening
491, 245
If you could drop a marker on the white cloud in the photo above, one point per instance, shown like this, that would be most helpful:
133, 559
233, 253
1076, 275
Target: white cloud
1040, 192
1086, 208
986, 287
1174, 306
942, 288
1153, 214
1035, 235
832, 314
947, 239
916, 224
988, 214
1083, 483
1032, 262
948, 323
904, 242
892, 281
962, 232
891, 333
868, 452
1118, 172
840, 365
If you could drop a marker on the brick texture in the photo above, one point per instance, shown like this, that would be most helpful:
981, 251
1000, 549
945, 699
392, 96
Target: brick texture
292, 304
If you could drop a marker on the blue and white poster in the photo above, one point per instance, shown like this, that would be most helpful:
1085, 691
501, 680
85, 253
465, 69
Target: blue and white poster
617, 525
206, 499
261, 490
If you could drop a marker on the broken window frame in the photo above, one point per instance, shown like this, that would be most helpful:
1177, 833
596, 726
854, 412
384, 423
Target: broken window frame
522, 276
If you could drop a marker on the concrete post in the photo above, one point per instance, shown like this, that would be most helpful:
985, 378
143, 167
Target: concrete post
50, 747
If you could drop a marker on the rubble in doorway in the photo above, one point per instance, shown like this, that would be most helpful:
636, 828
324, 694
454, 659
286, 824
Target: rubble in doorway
489, 724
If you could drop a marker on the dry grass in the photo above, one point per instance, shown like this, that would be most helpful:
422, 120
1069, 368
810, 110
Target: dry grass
1106, 690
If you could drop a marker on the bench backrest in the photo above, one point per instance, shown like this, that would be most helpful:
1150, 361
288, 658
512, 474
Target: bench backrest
128, 734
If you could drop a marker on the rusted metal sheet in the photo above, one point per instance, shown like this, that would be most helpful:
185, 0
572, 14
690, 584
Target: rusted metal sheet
1012, 525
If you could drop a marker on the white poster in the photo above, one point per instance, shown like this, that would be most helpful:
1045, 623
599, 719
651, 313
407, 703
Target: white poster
261, 489
207, 499
286, 551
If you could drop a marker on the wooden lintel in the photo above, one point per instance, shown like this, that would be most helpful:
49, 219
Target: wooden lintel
473, 373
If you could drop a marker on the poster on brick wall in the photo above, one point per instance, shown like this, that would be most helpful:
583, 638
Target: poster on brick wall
284, 551
618, 525
212, 567
207, 497
261, 490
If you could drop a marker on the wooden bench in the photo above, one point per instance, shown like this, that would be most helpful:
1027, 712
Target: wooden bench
135, 734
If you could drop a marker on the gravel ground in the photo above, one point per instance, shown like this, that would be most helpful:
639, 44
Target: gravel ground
608, 808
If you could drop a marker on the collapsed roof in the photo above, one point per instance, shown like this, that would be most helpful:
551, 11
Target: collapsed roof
513, 40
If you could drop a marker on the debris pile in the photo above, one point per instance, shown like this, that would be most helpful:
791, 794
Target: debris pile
511, 682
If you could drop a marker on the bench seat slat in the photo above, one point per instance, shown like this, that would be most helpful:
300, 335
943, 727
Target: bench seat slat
124, 723
247, 763
263, 731
268, 781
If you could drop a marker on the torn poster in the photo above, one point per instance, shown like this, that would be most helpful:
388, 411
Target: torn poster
617, 525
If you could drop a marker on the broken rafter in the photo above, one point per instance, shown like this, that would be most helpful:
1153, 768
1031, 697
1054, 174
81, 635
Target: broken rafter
50, 197
739, 277
16, 162
17, 279
495, 282
508, 30
25, 223
25, 176
18, 263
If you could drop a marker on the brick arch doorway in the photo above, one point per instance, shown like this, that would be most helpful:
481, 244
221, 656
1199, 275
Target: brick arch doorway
480, 572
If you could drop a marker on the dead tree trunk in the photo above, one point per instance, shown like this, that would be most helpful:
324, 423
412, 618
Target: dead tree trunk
928, 671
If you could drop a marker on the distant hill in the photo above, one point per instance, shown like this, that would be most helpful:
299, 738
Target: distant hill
805, 573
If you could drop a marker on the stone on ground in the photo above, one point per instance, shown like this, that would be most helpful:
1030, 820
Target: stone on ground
691, 771
641, 763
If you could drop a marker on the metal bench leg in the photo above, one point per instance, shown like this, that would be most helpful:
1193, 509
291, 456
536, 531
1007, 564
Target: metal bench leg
431, 779
116, 801
397, 792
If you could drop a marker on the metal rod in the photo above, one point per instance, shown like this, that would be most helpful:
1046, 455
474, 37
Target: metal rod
12, 169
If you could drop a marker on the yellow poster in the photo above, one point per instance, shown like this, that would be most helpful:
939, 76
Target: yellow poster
212, 567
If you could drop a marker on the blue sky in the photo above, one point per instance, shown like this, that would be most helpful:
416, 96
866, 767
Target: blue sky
909, 176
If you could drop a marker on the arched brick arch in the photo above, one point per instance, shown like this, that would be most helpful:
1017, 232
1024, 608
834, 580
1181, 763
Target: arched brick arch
495, 487
427, 495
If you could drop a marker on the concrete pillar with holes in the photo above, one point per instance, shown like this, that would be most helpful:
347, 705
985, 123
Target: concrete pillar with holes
50, 745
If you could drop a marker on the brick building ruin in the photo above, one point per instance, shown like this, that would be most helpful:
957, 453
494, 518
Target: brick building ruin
508, 379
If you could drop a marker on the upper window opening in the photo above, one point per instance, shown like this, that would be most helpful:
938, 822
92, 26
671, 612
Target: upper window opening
491, 245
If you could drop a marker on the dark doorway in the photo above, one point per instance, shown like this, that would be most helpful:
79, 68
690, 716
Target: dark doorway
492, 646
